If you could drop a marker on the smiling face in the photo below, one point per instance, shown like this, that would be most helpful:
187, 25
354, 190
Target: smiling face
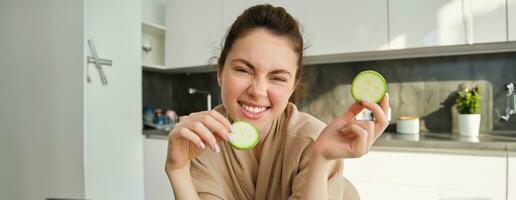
258, 77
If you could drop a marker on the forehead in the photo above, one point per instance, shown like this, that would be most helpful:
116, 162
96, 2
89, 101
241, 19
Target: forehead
265, 51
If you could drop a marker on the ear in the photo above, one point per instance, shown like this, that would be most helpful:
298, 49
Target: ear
219, 75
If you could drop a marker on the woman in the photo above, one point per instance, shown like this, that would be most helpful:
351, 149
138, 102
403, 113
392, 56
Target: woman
298, 156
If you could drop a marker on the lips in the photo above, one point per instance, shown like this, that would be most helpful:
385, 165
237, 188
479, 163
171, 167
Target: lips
253, 111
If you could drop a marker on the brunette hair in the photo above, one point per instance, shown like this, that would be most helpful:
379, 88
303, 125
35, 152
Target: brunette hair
274, 19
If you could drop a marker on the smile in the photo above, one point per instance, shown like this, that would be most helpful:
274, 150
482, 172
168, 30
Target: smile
253, 109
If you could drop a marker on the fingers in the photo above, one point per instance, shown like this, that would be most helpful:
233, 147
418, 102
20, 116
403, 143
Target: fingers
352, 112
369, 127
204, 129
359, 145
380, 116
217, 123
384, 103
221, 119
192, 137
216, 126
205, 134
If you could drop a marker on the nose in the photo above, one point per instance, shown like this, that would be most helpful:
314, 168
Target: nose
258, 88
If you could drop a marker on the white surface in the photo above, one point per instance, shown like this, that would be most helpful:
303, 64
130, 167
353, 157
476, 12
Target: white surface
194, 32
336, 26
154, 11
422, 176
425, 23
511, 17
469, 124
511, 176
486, 21
113, 140
157, 186
153, 36
41, 125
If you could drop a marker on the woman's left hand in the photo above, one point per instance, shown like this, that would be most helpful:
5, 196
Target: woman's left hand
346, 137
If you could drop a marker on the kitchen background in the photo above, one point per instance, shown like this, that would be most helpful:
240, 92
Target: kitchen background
423, 87
67, 134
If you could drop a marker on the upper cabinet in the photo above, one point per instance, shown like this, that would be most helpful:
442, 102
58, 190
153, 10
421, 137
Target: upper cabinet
153, 34
485, 21
335, 27
329, 27
194, 32
425, 23
428, 23
338, 31
511, 17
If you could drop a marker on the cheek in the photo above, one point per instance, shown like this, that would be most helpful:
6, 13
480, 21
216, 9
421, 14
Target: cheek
232, 87
280, 96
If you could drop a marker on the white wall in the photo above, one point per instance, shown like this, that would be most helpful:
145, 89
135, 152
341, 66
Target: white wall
41, 99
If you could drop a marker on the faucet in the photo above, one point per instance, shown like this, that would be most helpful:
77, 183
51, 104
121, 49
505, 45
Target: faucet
511, 101
208, 97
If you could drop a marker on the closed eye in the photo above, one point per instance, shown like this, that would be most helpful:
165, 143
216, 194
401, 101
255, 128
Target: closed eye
279, 79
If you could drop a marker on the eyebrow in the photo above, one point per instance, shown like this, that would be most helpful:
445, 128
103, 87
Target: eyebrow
277, 71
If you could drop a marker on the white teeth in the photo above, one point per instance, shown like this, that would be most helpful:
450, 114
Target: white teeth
253, 109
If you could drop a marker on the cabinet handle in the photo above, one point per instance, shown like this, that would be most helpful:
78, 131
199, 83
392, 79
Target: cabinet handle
94, 59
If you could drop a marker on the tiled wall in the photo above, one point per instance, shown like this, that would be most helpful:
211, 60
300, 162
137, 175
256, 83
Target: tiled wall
423, 87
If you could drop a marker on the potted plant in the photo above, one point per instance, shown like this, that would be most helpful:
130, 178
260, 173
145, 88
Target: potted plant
468, 106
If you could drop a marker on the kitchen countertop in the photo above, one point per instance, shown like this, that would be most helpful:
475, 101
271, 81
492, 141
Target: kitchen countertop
422, 142
446, 141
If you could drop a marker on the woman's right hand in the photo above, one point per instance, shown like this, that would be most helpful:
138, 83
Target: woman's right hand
193, 134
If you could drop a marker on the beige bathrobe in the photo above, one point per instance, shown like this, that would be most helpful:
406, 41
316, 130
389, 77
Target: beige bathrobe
281, 172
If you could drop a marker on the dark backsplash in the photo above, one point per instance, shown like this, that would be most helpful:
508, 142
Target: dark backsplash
423, 87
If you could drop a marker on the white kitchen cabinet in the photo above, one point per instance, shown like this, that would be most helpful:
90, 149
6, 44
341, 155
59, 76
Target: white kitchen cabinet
485, 21
511, 17
194, 32
337, 27
411, 175
153, 46
425, 23
157, 185
65, 137
153, 34
511, 177
331, 27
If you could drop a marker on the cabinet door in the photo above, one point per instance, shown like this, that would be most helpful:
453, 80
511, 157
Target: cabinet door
511, 17
425, 23
405, 175
485, 21
511, 177
335, 26
157, 185
113, 142
194, 32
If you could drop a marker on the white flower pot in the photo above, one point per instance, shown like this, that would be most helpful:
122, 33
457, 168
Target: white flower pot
469, 125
